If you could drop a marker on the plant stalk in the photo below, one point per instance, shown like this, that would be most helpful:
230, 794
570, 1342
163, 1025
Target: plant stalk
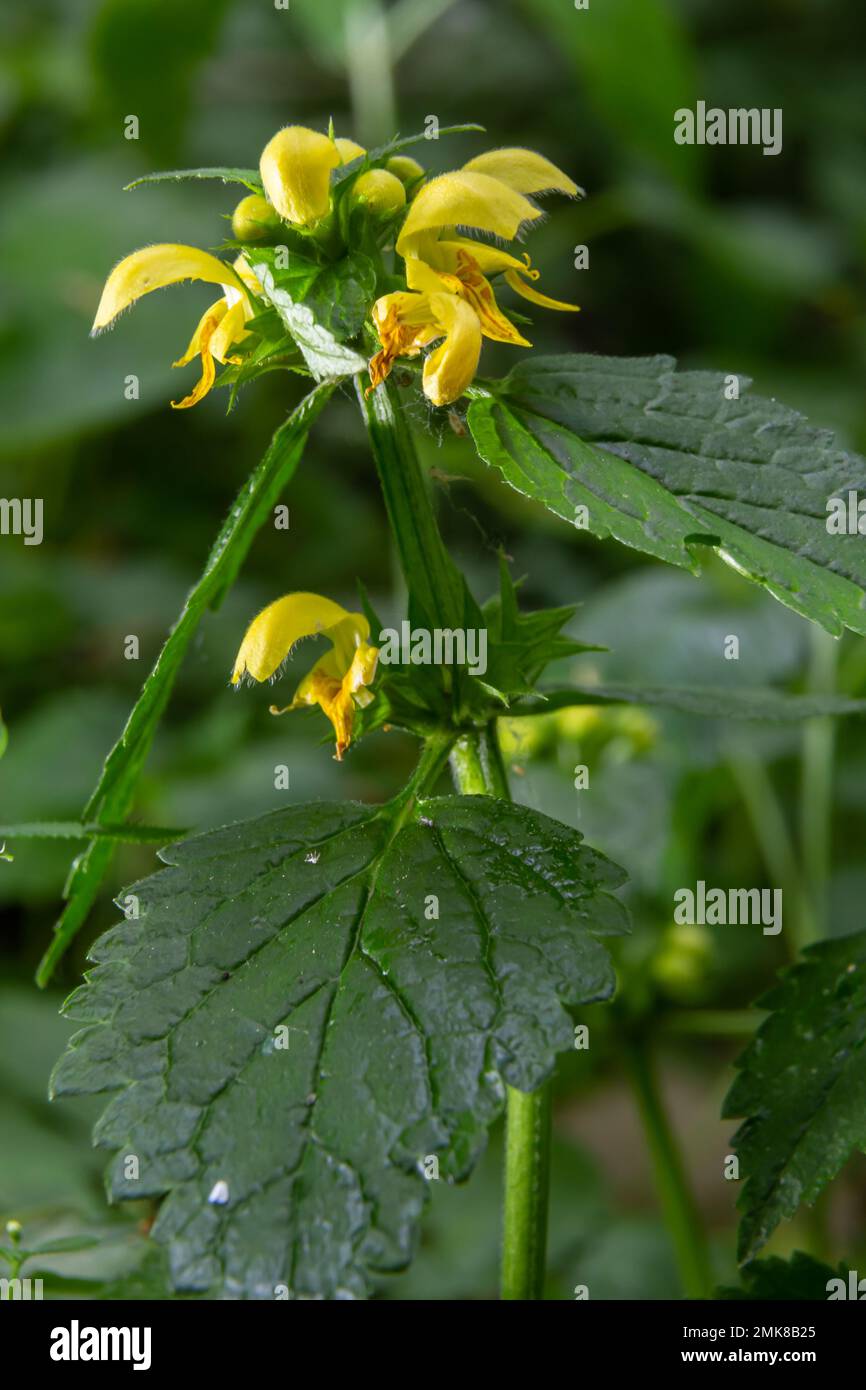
478, 770
680, 1210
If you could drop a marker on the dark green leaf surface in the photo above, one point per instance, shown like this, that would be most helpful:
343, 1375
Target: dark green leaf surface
327, 358
114, 793
802, 1083
748, 703
802, 1278
664, 463
402, 1030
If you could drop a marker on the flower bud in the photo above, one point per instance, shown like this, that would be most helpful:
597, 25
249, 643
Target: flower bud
348, 149
254, 219
382, 193
407, 170
296, 166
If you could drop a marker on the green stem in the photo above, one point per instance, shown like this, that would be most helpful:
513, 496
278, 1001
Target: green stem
478, 770
816, 786
678, 1204
777, 848
435, 585
527, 1182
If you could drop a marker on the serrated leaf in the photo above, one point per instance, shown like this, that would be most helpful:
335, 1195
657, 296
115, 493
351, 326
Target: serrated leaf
301, 1165
665, 464
749, 703
802, 1083
800, 1278
327, 359
250, 178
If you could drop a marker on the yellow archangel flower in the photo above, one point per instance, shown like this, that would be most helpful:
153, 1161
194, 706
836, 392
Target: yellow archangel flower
490, 195
339, 680
220, 327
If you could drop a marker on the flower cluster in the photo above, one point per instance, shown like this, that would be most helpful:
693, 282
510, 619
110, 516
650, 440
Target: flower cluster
437, 227
449, 295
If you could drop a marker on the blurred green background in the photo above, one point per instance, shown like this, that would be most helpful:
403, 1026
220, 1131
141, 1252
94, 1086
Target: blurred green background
722, 256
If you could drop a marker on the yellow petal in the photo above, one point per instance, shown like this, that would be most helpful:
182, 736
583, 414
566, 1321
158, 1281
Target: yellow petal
524, 171
466, 280
338, 697
296, 169
450, 369
205, 327
271, 635
465, 200
201, 342
245, 272
478, 292
492, 260
535, 296
348, 149
422, 277
229, 331
151, 269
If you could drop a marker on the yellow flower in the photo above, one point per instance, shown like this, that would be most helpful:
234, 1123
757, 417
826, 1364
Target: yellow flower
296, 166
407, 321
220, 327
339, 680
488, 195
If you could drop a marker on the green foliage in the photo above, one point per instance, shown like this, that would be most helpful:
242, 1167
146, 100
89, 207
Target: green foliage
800, 1278
755, 703
402, 1023
327, 358
337, 294
113, 796
665, 464
250, 178
802, 1083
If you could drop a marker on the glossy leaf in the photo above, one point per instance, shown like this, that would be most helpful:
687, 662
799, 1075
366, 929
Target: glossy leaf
663, 462
295, 1027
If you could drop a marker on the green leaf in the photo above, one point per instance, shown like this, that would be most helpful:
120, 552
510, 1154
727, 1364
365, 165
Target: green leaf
337, 293
800, 1278
327, 359
665, 464
248, 177
402, 1026
87, 830
802, 1083
113, 796
750, 703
